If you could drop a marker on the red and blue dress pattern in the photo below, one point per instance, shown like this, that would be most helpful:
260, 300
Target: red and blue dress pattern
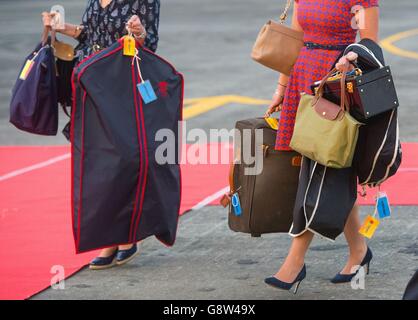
324, 22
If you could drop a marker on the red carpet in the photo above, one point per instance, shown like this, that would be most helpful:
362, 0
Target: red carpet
35, 227
401, 188
35, 221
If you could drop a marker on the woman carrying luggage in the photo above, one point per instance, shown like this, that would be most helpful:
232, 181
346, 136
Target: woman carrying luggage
103, 23
328, 28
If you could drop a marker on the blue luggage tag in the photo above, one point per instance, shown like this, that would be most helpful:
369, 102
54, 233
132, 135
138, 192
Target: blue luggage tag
383, 207
147, 92
236, 204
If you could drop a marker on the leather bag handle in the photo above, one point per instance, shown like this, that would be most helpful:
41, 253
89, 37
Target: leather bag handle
45, 33
231, 177
226, 198
343, 104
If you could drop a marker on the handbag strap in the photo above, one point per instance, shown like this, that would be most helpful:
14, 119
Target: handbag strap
343, 104
45, 34
283, 16
231, 177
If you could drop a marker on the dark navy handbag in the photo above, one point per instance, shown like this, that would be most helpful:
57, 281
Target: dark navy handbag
34, 105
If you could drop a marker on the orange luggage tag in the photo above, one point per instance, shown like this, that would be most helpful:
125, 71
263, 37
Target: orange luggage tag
370, 225
129, 45
225, 200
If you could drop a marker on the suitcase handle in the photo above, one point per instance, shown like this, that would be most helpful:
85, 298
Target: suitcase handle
226, 198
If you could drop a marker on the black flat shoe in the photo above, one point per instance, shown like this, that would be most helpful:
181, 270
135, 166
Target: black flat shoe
101, 263
124, 256
278, 284
344, 278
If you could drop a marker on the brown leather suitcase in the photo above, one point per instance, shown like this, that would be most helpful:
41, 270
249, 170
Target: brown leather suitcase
266, 199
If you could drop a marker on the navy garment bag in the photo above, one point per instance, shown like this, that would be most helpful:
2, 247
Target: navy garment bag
34, 105
120, 192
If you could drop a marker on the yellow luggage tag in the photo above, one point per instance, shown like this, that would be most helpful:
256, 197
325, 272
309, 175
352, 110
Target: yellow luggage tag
338, 75
272, 122
371, 224
335, 76
26, 69
129, 46
369, 227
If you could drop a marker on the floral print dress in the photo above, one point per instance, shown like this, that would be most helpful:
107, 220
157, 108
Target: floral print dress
104, 26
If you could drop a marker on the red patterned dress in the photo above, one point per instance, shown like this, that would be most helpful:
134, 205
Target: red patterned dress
326, 22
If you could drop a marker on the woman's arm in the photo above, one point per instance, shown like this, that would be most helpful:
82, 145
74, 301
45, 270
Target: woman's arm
135, 27
149, 15
70, 30
370, 26
368, 22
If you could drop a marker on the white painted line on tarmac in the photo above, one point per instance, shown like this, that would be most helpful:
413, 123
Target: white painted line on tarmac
211, 198
37, 166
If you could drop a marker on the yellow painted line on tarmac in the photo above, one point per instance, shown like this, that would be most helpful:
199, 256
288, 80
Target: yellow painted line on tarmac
388, 44
198, 106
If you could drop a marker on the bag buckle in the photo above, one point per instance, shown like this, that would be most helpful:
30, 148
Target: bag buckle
95, 48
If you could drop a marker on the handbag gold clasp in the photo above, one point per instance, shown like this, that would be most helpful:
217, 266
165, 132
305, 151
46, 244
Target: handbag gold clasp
96, 48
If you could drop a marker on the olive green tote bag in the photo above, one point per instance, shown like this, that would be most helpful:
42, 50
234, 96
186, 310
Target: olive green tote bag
324, 131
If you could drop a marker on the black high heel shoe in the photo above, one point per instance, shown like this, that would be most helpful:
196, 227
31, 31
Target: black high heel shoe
101, 263
278, 284
344, 278
124, 256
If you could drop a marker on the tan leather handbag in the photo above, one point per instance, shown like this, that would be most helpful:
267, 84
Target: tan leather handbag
277, 46
324, 131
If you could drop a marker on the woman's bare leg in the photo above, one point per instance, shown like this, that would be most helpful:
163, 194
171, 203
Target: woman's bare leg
125, 246
356, 242
295, 258
107, 252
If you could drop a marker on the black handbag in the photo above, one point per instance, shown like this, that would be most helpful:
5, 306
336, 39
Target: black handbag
378, 154
369, 93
